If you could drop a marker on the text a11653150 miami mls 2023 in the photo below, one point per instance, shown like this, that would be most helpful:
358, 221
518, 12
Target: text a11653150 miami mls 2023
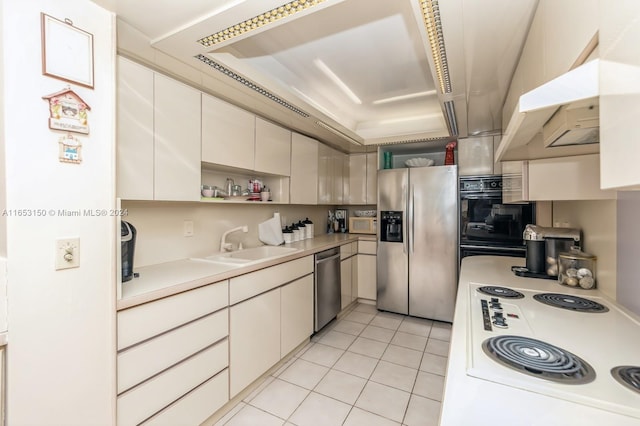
77, 212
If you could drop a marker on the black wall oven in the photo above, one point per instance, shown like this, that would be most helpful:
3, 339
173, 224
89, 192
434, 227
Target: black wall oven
487, 226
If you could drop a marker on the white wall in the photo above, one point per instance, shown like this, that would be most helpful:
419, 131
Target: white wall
597, 219
61, 353
628, 290
159, 226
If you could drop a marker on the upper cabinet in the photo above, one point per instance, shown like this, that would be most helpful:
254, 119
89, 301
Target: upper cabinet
619, 94
228, 134
363, 182
476, 156
304, 169
272, 149
158, 134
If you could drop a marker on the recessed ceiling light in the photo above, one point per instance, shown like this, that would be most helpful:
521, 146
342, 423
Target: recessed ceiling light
404, 97
338, 82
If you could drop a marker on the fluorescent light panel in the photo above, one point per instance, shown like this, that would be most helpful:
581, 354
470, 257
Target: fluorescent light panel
338, 82
404, 97
258, 21
433, 25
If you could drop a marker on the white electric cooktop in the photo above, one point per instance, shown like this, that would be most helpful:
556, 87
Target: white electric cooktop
597, 341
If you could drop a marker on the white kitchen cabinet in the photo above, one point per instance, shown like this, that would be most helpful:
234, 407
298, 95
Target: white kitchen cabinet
168, 348
366, 260
158, 136
515, 181
272, 148
304, 170
475, 156
176, 141
348, 267
325, 178
255, 341
372, 178
567, 178
358, 179
296, 319
228, 134
619, 94
338, 175
134, 131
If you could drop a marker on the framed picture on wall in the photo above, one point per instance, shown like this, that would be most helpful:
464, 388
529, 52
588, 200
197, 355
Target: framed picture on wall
67, 51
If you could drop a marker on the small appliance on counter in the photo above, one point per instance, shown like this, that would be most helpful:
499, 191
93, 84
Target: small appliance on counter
544, 245
127, 248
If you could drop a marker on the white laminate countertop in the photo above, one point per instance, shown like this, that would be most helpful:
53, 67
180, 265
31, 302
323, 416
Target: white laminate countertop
166, 279
472, 401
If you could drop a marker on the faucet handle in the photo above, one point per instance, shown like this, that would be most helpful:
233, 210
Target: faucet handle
227, 247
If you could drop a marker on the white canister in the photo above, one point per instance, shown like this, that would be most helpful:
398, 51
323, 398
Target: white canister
296, 232
287, 234
308, 228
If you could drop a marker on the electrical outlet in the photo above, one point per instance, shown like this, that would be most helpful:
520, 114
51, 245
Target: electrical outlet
188, 228
67, 253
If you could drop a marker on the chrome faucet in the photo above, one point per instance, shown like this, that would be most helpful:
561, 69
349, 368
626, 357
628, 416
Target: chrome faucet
224, 245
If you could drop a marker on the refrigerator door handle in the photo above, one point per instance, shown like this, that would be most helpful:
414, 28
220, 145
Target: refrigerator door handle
411, 218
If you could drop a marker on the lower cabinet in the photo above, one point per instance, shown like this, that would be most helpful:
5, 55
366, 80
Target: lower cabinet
255, 345
296, 317
346, 272
367, 270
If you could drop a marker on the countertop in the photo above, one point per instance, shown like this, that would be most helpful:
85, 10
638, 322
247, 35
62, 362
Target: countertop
471, 401
166, 279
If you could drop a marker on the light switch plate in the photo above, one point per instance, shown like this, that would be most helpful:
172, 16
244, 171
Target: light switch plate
188, 228
67, 253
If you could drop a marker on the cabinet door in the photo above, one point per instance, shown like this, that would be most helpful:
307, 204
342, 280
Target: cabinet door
228, 134
337, 194
367, 277
567, 178
358, 179
134, 131
372, 178
619, 97
475, 156
304, 170
325, 183
273, 148
177, 141
297, 313
254, 339
345, 282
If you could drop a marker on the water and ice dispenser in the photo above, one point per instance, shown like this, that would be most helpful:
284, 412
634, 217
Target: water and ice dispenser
391, 226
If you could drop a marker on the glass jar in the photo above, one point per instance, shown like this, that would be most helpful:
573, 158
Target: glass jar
577, 269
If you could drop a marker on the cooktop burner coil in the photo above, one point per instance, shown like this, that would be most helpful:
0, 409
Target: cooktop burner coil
574, 303
628, 375
505, 292
539, 359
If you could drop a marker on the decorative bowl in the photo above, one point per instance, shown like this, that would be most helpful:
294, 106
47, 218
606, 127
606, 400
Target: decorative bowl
419, 162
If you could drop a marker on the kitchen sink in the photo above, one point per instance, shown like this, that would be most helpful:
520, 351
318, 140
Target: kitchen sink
251, 255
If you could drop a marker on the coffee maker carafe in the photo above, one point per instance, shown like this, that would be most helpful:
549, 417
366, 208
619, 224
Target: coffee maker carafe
127, 248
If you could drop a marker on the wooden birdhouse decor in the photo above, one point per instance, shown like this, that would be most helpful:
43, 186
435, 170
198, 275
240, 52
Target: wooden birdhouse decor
67, 111
70, 149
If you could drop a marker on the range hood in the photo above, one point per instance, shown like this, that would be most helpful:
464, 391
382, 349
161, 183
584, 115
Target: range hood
572, 97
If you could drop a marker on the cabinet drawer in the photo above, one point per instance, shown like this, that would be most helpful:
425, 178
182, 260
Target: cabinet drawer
140, 362
366, 247
143, 401
249, 285
347, 250
148, 320
196, 406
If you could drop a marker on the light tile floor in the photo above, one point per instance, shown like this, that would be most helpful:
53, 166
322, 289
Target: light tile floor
368, 368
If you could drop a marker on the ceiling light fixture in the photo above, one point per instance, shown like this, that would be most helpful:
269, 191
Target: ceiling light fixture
404, 97
251, 85
258, 21
338, 133
433, 25
338, 82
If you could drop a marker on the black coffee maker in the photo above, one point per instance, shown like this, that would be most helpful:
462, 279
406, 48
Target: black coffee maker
543, 246
127, 248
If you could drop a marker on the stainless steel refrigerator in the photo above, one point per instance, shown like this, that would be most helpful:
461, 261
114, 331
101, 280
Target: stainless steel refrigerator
417, 263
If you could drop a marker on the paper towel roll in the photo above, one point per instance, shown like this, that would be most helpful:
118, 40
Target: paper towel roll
270, 232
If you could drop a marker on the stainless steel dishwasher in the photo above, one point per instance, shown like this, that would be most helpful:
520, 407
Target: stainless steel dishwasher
326, 287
